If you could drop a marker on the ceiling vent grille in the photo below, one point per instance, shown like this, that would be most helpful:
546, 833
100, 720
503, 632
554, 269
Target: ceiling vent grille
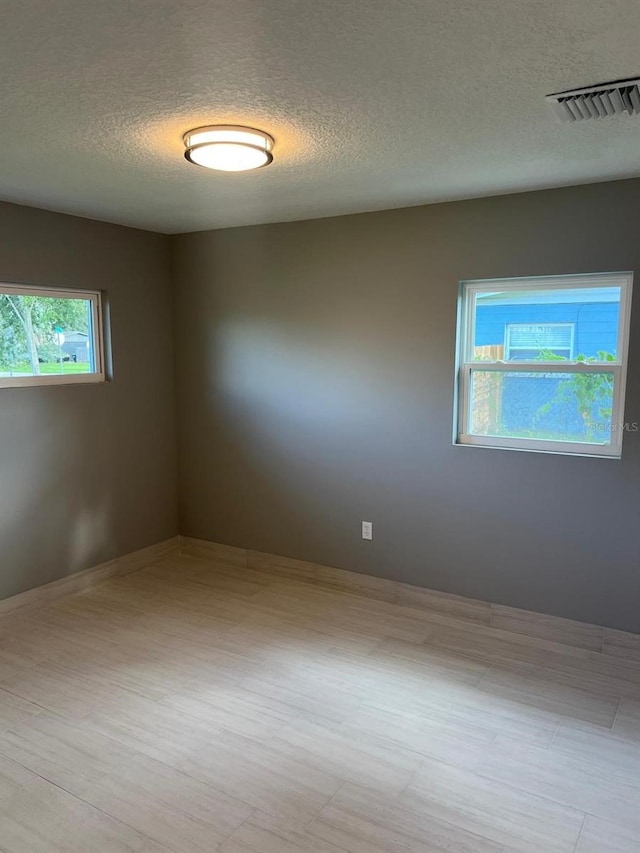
621, 97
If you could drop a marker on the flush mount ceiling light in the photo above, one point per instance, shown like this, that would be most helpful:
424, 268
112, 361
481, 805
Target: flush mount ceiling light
228, 147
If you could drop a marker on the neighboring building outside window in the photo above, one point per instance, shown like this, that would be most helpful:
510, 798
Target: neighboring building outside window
542, 363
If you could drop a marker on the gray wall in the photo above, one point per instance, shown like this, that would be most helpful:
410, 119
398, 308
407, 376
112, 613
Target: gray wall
315, 373
88, 472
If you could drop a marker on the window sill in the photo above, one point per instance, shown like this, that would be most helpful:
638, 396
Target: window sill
49, 380
581, 450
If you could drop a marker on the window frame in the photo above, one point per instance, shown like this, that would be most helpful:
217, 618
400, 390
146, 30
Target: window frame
94, 297
468, 291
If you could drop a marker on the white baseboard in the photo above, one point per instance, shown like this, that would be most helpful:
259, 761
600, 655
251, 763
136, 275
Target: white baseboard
550, 629
43, 596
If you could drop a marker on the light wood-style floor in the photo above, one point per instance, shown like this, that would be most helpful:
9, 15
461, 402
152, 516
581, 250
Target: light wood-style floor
194, 707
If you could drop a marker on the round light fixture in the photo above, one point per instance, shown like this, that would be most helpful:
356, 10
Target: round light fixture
228, 148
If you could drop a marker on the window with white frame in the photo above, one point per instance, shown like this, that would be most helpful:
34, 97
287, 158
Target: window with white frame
542, 363
524, 341
50, 336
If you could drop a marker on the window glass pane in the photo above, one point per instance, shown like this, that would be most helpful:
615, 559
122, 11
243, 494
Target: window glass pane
578, 323
543, 406
45, 335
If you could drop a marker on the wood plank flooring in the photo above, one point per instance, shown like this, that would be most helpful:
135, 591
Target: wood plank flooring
198, 706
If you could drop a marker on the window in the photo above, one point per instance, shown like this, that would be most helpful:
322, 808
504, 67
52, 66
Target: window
49, 337
523, 341
542, 363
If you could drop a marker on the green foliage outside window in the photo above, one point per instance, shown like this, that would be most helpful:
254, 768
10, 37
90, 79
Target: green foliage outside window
591, 393
28, 326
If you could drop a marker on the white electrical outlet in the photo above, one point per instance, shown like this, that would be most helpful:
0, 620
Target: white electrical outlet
367, 530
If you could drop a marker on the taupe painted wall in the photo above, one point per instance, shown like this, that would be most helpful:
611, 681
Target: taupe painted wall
88, 472
315, 365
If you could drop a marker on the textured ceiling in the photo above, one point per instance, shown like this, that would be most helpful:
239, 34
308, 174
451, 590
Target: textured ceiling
373, 103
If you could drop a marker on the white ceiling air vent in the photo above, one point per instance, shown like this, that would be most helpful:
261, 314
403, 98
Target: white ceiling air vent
620, 97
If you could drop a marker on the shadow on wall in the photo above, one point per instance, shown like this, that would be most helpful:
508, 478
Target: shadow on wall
52, 483
313, 425
292, 378
287, 410
300, 434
